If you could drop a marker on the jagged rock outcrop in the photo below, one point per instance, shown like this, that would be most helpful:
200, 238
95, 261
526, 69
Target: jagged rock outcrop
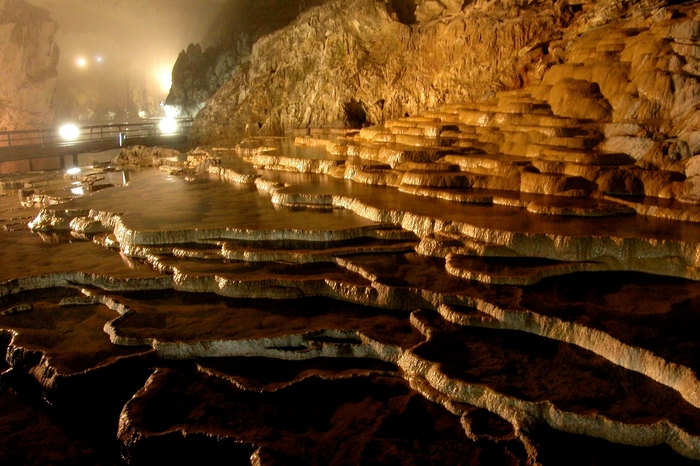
613, 115
356, 62
196, 76
199, 73
28, 60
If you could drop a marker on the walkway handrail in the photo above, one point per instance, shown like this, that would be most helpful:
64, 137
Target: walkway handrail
50, 137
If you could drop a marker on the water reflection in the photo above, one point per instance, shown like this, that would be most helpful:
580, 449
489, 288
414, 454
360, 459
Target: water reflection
155, 201
315, 293
55, 237
133, 264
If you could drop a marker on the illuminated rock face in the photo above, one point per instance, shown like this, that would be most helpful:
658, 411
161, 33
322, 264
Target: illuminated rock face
28, 59
375, 61
199, 73
196, 76
606, 102
478, 283
367, 65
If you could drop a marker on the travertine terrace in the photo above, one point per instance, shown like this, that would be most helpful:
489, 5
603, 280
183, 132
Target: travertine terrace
513, 280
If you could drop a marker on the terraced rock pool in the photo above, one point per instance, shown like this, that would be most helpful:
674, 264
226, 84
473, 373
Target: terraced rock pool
267, 317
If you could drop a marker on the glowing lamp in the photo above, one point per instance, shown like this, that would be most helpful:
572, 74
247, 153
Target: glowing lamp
69, 132
167, 126
73, 171
171, 111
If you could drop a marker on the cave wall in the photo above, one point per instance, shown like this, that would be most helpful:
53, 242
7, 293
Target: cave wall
28, 61
360, 62
201, 70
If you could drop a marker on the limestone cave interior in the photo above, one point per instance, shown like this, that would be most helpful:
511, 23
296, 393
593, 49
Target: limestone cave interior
387, 232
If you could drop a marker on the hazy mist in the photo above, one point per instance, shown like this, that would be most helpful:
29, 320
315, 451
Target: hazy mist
117, 55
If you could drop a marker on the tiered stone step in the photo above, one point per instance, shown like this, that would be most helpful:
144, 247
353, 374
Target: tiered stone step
446, 116
484, 147
573, 142
410, 121
490, 135
408, 130
518, 143
523, 105
582, 157
461, 179
395, 154
421, 141
455, 108
438, 129
555, 184
438, 166
384, 137
513, 271
370, 132
495, 164
541, 144
358, 163
457, 371
525, 122
600, 46
307, 252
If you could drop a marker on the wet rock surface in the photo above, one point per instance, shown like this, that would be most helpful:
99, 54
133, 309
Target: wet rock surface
501, 280
302, 317
372, 418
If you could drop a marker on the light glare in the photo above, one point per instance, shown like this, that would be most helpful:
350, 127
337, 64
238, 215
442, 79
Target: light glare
69, 132
171, 111
164, 78
73, 171
167, 126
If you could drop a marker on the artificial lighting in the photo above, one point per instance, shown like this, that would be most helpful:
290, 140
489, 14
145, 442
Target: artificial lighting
167, 126
164, 77
171, 111
73, 171
99, 59
69, 132
81, 62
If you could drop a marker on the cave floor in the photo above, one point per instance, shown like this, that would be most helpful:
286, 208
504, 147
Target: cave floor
301, 318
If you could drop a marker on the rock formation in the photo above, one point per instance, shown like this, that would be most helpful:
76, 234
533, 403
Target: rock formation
282, 284
374, 61
198, 73
503, 279
28, 60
